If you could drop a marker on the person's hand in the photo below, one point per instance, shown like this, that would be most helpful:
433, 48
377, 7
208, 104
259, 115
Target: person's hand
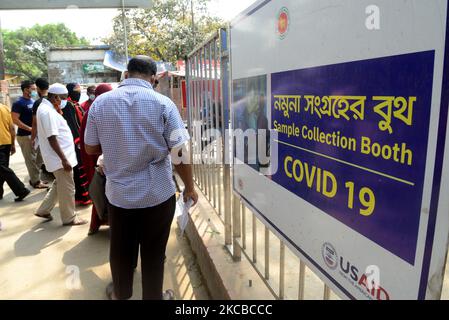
191, 194
13, 149
67, 166
100, 170
33, 143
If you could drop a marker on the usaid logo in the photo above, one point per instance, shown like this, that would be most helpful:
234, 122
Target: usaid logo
368, 283
330, 256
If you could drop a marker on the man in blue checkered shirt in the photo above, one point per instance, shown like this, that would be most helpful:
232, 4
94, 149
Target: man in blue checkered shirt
139, 132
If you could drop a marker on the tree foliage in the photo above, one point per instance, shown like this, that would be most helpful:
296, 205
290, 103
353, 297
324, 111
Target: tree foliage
25, 49
165, 31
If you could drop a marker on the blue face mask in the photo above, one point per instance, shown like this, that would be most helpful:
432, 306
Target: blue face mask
63, 104
34, 94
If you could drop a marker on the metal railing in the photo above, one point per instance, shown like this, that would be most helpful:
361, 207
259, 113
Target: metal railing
206, 113
208, 96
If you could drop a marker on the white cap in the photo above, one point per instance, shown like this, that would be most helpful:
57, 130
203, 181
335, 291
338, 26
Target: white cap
58, 88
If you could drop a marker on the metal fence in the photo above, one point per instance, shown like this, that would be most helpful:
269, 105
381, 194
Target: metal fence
208, 96
208, 110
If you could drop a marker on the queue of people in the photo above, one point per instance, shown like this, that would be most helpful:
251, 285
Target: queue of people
90, 161
129, 135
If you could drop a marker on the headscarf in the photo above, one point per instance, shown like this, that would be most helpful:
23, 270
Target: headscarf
102, 88
73, 95
89, 161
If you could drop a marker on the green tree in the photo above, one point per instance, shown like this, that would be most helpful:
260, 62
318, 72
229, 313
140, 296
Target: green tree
165, 31
26, 48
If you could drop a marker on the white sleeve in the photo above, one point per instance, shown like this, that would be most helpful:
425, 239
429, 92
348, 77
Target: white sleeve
49, 124
100, 161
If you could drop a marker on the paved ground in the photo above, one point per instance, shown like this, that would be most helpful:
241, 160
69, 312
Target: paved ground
47, 261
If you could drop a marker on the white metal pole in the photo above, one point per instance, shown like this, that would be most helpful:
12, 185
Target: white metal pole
125, 31
193, 23
2, 56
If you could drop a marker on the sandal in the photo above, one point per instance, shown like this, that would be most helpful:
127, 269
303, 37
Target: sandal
168, 295
47, 217
40, 185
76, 222
110, 291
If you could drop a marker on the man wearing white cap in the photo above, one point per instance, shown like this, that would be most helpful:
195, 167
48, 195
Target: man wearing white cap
58, 152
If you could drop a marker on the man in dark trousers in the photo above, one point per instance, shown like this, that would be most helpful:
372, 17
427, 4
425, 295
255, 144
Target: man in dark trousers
137, 129
7, 148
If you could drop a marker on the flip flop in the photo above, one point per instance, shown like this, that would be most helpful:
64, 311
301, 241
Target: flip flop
48, 217
76, 222
168, 294
40, 185
109, 291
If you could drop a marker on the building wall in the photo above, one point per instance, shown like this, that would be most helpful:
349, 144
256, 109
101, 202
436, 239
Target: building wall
66, 65
4, 92
72, 71
74, 55
13, 79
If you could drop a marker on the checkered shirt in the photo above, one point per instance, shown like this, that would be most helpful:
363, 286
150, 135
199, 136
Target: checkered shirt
136, 127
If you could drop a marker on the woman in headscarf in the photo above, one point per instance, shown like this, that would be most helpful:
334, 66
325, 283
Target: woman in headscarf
91, 161
91, 94
74, 116
74, 90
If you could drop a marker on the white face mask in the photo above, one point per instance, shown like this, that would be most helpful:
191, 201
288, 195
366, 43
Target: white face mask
92, 97
63, 104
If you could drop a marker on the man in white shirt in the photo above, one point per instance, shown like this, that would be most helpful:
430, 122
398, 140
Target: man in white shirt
58, 152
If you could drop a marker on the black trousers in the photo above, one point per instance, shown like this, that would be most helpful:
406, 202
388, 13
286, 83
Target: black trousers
7, 175
148, 228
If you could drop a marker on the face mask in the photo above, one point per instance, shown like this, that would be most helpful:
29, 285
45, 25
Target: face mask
63, 104
34, 94
92, 97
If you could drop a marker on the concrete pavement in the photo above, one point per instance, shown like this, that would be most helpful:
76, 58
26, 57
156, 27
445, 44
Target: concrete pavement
48, 261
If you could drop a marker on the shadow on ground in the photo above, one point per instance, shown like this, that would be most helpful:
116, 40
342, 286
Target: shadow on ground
41, 236
79, 269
